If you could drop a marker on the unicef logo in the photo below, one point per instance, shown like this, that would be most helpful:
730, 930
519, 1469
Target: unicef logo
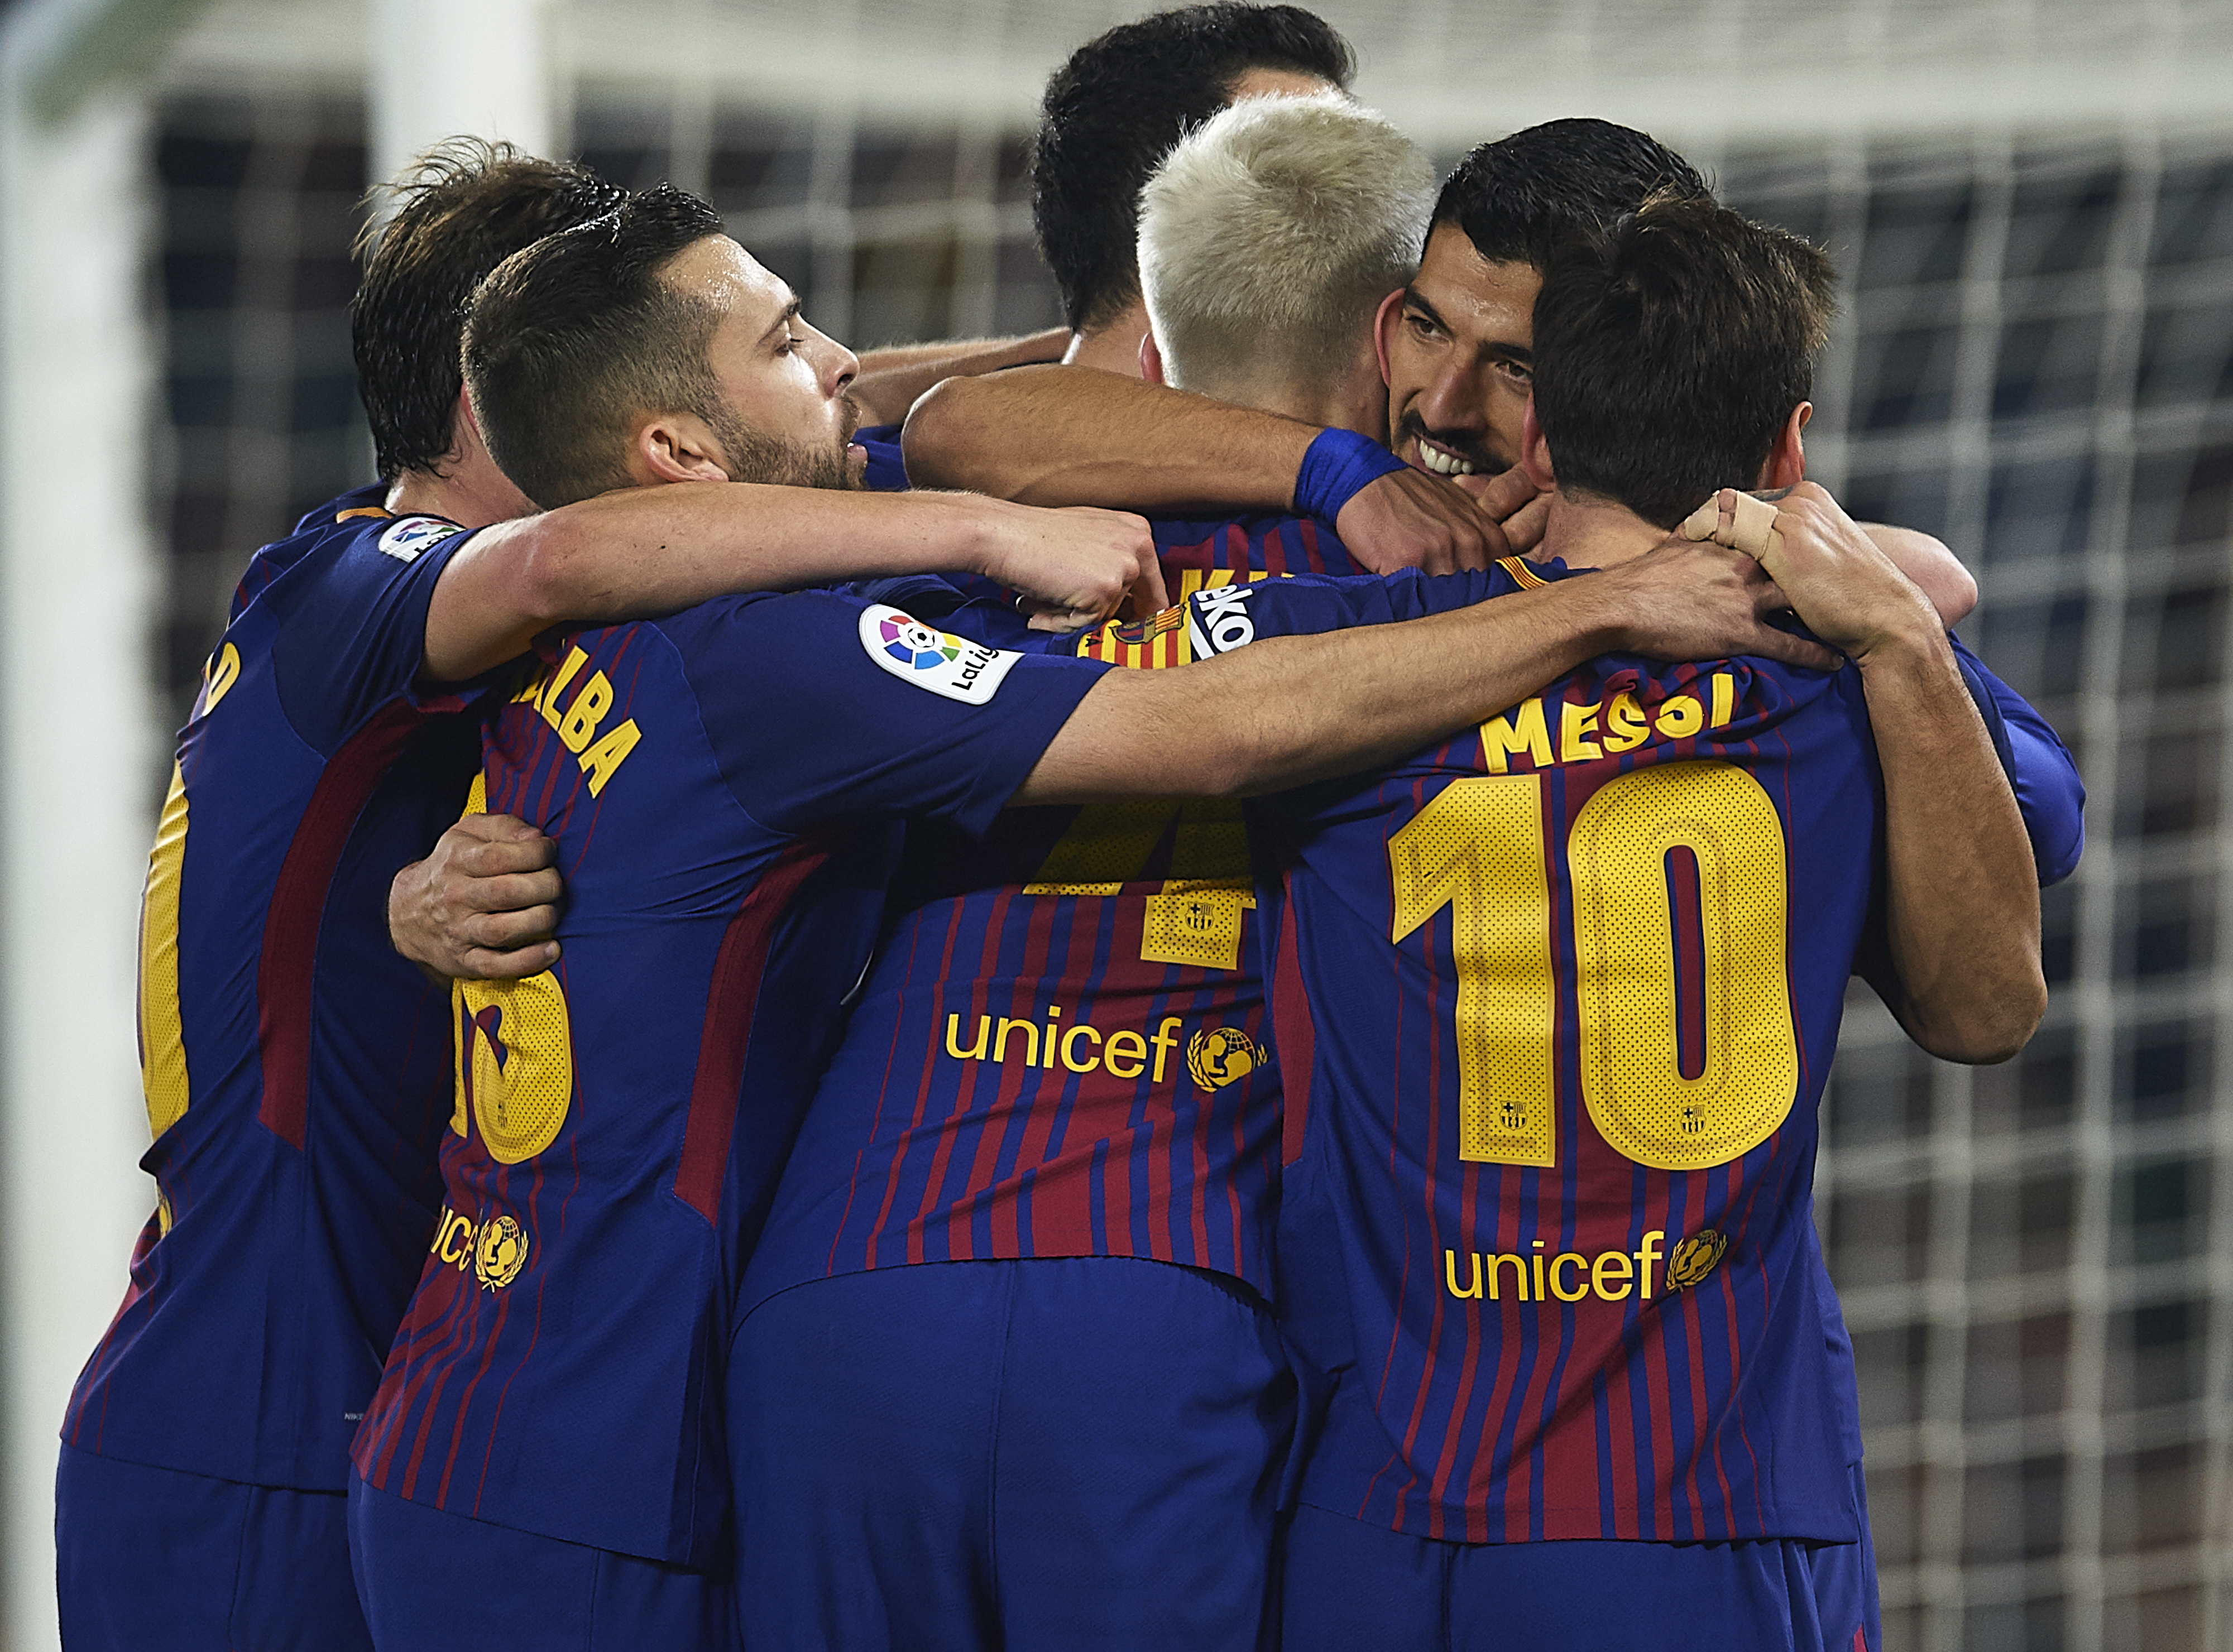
1217, 1056
499, 1253
1694, 1258
913, 643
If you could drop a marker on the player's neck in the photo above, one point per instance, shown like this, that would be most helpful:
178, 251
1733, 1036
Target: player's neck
1355, 401
1114, 346
470, 491
1588, 531
1334, 407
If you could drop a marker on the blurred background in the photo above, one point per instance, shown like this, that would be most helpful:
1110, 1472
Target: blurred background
2031, 203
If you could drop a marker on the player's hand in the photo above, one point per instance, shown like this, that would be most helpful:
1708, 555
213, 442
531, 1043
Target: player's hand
1075, 567
1686, 600
1410, 519
1510, 500
1834, 577
483, 905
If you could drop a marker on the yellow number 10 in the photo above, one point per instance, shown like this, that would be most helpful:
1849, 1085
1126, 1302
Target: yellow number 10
1479, 848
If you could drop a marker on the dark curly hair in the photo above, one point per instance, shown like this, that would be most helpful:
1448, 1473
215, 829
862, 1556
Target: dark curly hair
1115, 109
1520, 199
461, 209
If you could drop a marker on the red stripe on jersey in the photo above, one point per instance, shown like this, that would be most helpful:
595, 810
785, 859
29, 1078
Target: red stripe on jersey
1044, 1085
977, 1007
284, 973
1689, 961
1659, 1388
730, 1002
1292, 1032
1009, 1237
1014, 1080
884, 1089
1620, 1429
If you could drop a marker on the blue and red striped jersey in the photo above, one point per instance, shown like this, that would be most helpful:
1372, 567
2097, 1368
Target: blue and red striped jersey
1555, 1000
724, 787
1060, 1050
297, 1070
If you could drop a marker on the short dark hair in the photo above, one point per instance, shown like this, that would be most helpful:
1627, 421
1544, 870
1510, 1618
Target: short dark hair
1670, 349
1115, 110
462, 208
1519, 199
569, 341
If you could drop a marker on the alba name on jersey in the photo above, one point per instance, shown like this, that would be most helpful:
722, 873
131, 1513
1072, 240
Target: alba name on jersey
1556, 1001
1061, 1048
297, 1070
724, 787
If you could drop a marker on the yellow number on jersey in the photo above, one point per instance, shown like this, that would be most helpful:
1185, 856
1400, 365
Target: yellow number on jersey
515, 1064
162, 1032
1478, 848
515, 1053
1624, 946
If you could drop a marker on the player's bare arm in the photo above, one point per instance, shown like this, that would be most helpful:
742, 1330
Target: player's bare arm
891, 379
1298, 709
1962, 918
483, 905
651, 550
1933, 567
1074, 436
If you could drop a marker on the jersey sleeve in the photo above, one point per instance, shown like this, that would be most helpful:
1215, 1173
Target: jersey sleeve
820, 703
351, 624
2040, 767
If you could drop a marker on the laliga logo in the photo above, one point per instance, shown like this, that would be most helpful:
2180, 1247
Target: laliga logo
914, 643
1217, 1056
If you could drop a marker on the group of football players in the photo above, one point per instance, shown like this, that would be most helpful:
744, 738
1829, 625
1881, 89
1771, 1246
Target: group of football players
729, 1065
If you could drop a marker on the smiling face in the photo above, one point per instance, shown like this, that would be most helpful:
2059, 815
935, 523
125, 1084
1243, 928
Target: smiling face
786, 413
1460, 360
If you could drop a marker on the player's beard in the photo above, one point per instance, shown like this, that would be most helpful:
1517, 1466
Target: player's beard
756, 457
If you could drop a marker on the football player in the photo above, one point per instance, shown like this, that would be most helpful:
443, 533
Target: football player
1555, 1003
296, 1074
723, 788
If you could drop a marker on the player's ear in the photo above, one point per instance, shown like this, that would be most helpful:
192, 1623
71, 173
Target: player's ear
1535, 452
1383, 328
674, 447
1787, 460
1151, 358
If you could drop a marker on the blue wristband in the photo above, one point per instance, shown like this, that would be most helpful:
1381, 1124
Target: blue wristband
1338, 464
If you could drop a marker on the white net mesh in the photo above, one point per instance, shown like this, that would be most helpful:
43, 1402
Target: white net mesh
2032, 209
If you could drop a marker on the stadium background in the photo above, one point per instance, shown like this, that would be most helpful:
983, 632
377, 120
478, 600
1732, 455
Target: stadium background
2032, 205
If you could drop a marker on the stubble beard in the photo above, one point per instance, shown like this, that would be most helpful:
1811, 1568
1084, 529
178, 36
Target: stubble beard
756, 457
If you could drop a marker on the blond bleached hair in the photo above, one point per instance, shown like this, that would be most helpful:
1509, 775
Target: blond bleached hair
1269, 234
